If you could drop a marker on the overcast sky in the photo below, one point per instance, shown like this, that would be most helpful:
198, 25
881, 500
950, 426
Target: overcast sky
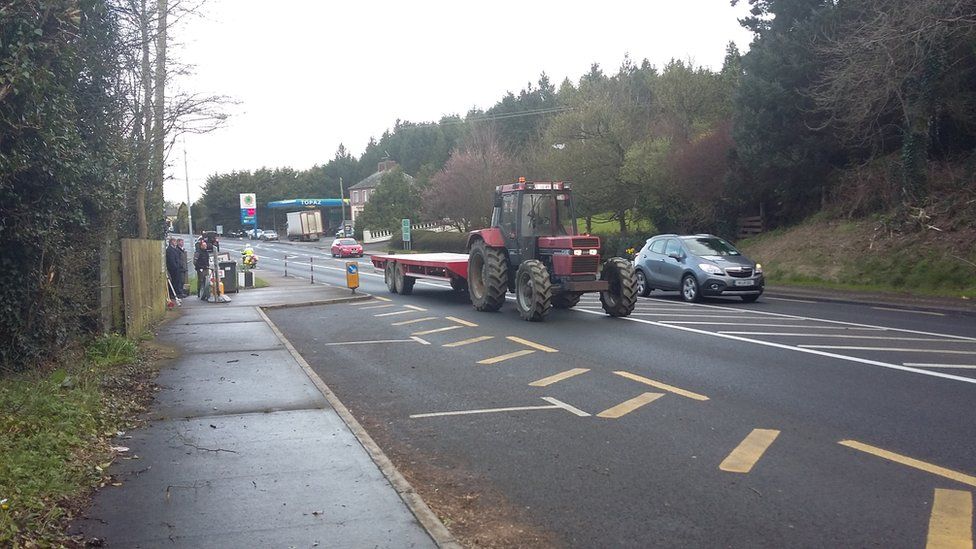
310, 74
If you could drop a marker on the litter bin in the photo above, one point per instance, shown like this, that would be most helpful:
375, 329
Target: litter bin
228, 275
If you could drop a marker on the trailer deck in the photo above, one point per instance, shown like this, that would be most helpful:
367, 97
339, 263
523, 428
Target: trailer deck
438, 266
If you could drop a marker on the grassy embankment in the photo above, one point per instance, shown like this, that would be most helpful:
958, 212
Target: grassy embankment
55, 427
862, 255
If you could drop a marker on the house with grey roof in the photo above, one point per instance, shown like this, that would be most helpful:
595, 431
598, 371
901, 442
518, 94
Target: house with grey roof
360, 192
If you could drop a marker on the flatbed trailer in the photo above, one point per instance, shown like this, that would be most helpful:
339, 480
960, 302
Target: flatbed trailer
402, 271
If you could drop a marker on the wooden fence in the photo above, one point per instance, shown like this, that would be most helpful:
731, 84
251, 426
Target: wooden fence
144, 286
750, 226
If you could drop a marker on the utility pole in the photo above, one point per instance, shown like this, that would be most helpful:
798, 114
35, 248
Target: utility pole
189, 204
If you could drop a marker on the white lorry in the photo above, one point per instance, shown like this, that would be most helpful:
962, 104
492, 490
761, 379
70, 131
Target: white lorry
305, 226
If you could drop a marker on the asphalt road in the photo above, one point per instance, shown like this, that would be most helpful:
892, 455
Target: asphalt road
777, 423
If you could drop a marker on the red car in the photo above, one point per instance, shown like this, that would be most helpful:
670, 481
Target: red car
346, 247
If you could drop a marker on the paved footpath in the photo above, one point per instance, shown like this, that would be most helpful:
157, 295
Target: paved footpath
244, 449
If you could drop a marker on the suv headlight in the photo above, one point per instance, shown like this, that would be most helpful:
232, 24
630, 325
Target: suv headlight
758, 269
709, 268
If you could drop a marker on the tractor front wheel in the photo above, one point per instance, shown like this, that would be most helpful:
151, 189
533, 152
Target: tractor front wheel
566, 300
620, 298
487, 277
533, 290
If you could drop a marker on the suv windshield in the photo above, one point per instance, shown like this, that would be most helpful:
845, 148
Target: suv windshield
540, 217
710, 245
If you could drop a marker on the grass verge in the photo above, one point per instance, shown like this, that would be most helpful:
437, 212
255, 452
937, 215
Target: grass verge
55, 430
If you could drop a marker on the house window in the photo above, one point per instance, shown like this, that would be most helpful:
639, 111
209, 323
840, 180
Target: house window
355, 196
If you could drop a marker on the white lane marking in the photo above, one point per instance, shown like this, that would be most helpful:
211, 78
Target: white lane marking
890, 349
931, 365
437, 330
405, 322
380, 298
371, 342
420, 340
554, 405
416, 308
408, 311
384, 306
800, 349
837, 322
775, 325
793, 300
840, 336
908, 311
567, 407
737, 317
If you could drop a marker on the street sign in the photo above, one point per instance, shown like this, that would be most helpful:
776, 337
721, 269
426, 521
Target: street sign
406, 230
352, 275
248, 200
220, 229
247, 216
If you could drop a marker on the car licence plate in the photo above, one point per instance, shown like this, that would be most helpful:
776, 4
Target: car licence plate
743, 283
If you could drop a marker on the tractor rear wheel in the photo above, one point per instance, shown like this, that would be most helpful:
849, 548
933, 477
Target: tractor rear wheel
487, 277
404, 283
566, 300
533, 290
620, 298
390, 278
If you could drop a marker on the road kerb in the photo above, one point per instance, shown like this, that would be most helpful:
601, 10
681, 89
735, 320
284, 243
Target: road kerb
427, 518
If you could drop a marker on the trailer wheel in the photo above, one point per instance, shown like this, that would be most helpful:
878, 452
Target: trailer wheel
459, 284
487, 277
566, 300
390, 278
404, 283
620, 298
533, 290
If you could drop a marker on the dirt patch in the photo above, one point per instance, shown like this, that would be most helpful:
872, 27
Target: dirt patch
477, 514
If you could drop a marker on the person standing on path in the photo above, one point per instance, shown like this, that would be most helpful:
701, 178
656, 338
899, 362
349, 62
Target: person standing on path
173, 267
202, 264
181, 289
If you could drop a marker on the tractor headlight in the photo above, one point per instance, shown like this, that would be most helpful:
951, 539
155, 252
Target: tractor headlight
594, 252
577, 252
709, 268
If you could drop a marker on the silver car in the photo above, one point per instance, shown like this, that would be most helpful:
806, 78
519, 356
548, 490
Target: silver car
697, 265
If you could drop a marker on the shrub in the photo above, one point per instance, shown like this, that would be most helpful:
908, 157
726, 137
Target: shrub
430, 241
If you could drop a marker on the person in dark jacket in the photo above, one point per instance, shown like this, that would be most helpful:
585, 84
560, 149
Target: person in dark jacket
173, 267
181, 289
201, 262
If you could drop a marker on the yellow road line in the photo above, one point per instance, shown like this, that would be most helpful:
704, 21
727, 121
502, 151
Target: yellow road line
629, 406
436, 330
532, 344
468, 341
416, 308
388, 305
748, 452
546, 381
382, 298
425, 319
911, 462
951, 522
461, 321
394, 313
500, 358
662, 386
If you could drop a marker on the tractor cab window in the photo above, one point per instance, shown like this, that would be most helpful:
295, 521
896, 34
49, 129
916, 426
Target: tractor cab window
547, 214
507, 221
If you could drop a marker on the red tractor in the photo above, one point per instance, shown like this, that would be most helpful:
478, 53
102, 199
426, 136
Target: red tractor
531, 249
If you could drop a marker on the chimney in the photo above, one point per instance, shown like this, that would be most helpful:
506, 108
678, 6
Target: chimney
386, 165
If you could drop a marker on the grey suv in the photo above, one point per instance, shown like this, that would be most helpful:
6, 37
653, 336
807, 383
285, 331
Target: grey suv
698, 265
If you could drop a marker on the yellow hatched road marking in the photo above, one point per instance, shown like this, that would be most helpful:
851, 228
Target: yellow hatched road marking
629, 406
501, 358
748, 452
394, 313
416, 308
662, 386
911, 462
425, 319
437, 330
546, 381
388, 305
461, 321
532, 344
468, 341
951, 522
382, 298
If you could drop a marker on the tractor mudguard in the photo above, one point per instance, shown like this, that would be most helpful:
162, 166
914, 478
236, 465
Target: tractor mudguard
492, 237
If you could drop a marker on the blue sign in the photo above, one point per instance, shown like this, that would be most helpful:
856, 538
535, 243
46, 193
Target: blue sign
247, 216
308, 203
352, 268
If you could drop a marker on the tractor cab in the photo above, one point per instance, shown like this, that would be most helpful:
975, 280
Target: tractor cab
525, 212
